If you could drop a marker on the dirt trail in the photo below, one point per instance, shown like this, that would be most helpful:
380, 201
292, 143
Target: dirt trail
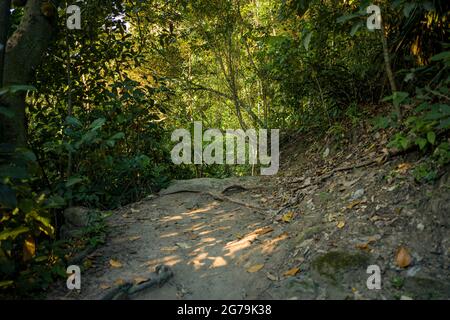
208, 241
280, 238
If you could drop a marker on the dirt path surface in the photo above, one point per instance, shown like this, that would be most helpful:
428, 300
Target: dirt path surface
291, 237
195, 228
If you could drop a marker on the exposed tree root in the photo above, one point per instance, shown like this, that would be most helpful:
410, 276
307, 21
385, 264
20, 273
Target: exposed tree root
218, 198
123, 292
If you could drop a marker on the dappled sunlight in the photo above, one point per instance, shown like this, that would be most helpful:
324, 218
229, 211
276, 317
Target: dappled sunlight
206, 232
208, 240
171, 218
197, 261
195, 211
217, 262
197, 227
167, 235
235, 246
269, 245
168, 260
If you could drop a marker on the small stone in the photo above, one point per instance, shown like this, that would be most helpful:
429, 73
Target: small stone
420, 227
357, 194
405, 298
413, 271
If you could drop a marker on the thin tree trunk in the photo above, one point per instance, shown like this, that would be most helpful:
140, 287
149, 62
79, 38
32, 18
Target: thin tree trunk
24, 52
5, 6
387, 63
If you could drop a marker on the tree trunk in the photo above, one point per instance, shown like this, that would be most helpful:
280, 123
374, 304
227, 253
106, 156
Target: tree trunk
24, 52
5, 7
387, 62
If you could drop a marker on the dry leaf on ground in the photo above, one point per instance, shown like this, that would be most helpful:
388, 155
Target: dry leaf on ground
287, 217
353, 204
403, 258
255, 268
292, 272
271, 276
340, 224
115, 263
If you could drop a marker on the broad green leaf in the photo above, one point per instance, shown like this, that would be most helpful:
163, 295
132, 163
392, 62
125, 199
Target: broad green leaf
421, 142
399, 97
444, 124
74, 122
441, 56
73, 181
13, 233
16, 88
45, 224
117, 136
6, 283
97, 124
355, 28
307, 40
55, 201
404, 143
431, 137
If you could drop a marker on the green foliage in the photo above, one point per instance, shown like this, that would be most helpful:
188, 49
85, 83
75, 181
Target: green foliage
398, 282
430, 119
107, 97
27, 260
425, 172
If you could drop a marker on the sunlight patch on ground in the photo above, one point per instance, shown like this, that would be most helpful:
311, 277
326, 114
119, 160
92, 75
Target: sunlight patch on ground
168, 235
218, 262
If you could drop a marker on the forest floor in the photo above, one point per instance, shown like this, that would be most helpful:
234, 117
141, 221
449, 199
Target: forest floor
336, 207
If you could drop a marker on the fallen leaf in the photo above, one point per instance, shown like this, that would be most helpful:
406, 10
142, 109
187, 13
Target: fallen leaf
255, 268
340, 224
139, 280
403, 167
403, 258
105, 286
134, 238
363, 246
353, 204
271, 276
119, 282
292, 272
287, 217
115, 263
